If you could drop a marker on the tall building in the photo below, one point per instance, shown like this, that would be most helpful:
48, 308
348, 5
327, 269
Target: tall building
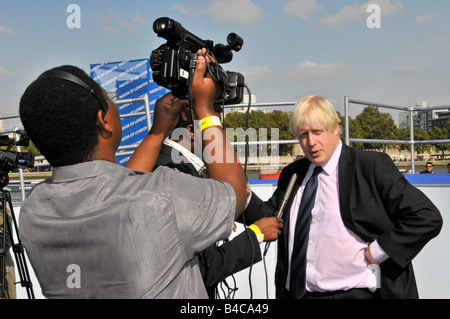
441, 118
422, 118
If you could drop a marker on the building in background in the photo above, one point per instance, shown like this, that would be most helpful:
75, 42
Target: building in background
425, 118
441, 118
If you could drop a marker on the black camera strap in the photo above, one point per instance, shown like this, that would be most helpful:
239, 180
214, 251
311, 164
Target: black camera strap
217, 72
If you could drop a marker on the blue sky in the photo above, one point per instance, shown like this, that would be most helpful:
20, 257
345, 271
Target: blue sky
291, 48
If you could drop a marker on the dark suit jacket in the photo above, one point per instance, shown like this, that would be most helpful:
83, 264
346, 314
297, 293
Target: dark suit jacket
376, 202
217, 262
165, 159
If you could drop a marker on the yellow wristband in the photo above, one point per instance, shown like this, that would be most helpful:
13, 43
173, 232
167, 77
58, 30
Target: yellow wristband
210, 121
257, 232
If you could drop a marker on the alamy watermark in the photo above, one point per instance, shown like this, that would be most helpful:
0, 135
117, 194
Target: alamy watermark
74, 19
374, 19
74, 279
249, 142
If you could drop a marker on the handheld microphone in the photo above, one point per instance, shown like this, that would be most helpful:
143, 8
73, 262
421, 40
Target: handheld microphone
283, 204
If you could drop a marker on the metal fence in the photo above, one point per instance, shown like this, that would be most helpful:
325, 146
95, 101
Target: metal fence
347, 103
411, 110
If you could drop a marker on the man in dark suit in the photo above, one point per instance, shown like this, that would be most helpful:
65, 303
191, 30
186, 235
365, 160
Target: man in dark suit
367, 222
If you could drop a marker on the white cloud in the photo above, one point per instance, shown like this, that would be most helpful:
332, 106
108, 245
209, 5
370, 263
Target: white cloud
257, 72
235, 12
114, 22
7, 31
179, 7
358, 12
307, 71
139, 20
301, 8
229, 12
7, 74
422, 20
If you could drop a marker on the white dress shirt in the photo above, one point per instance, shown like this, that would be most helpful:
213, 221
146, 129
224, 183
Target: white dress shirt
335, 256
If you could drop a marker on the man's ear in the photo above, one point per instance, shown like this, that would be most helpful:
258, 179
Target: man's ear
186, 114
104, 125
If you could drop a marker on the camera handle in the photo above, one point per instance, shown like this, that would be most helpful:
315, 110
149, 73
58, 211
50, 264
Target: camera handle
5, 199
213, 68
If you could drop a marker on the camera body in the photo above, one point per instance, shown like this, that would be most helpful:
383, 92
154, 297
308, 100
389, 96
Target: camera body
173, 61
10, 160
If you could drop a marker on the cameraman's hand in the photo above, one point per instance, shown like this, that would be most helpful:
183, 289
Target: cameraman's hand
167, 112
270, 227
205, 90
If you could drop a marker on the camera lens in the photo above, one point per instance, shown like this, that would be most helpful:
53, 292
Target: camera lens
235, 42
162, 25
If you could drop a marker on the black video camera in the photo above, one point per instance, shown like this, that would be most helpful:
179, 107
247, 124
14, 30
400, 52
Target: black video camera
173, 61
10, 160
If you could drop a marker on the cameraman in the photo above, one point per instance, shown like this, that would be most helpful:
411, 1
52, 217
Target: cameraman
100, 230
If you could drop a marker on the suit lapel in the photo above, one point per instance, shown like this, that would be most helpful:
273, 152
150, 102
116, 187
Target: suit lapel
346, 174
301, 168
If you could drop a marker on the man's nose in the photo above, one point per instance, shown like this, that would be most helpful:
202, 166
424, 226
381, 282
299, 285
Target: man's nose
311, 139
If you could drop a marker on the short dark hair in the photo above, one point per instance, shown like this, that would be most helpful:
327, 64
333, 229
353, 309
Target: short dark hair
60, 117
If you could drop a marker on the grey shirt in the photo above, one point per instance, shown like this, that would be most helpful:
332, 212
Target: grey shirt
99, 230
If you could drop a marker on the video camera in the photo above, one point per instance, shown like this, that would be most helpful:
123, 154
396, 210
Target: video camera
172, 62
10, 160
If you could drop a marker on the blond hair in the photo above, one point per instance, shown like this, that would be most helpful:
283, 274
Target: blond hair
313, 112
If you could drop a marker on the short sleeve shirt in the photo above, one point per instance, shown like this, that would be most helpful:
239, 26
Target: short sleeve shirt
100, 230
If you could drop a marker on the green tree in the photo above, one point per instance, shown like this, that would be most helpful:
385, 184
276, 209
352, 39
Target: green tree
259, 120
443, 133
280, 120
376, 125
355, 130
33, 149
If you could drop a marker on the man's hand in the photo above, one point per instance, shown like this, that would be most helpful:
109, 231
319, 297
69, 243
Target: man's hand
167, 112
270, 227
205, 90
369, 257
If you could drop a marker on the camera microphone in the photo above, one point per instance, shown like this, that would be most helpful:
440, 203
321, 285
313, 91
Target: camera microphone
283, 204
171, 30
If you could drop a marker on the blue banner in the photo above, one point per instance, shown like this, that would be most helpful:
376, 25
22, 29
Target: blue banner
129, 80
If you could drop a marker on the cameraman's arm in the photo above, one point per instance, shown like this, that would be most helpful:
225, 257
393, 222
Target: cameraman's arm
167, 111
219, 156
